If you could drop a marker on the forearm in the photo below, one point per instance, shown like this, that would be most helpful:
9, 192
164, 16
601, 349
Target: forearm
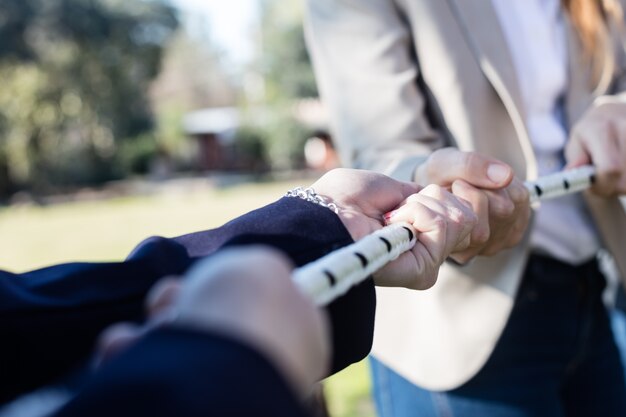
304, 232
50, 318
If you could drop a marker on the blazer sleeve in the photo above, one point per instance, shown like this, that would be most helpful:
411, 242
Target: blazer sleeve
367, 72
175, 372
50, 318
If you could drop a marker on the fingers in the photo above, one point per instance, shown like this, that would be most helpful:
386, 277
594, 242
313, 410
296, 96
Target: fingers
502, 215
460, 217
518, 193
248, 294
500, 219
444, 223
362, 197
440, 207
446, 165
479, 203
602, 149
599, 138
575, 153
507, 228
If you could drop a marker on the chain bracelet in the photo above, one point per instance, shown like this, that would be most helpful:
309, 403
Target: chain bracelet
309, 194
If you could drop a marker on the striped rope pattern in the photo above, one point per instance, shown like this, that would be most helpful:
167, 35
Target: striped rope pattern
561, 183
334, 274
331, 276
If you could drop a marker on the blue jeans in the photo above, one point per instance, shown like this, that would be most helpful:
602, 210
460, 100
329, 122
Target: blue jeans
618, 323
556, 357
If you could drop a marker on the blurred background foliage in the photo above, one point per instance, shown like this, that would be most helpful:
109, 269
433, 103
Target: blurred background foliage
285, 60
287, 76
75, 76
99, 90
96, 90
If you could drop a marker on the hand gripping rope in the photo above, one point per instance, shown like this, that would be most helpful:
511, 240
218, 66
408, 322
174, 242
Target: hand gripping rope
333, 275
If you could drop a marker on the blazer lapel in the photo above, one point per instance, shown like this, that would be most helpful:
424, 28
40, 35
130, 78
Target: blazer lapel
483, 31
579, 93
486, 39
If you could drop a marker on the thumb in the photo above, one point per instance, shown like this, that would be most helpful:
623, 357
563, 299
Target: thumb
576, 155
449, 165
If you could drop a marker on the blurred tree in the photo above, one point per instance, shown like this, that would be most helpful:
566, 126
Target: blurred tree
193, 76
285, 60
288, 77
75, 75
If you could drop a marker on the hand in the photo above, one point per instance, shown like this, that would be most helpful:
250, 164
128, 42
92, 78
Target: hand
500, 201
443, 221
599, 138
247, 294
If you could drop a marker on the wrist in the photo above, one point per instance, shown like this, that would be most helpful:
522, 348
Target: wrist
346, 213
309, 194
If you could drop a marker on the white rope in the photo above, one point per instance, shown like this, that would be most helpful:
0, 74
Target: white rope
331, 276
561, 183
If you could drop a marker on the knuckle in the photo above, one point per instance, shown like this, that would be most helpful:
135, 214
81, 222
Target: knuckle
470, 219
440, 222
456, 215
502, 208
480, 235
519, 194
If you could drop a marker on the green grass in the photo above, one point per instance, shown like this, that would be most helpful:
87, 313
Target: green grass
33, 237
348, 392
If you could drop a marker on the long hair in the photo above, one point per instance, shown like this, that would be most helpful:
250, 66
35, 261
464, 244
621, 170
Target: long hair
595, 21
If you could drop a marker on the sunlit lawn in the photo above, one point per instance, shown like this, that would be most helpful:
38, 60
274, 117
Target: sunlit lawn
32, 237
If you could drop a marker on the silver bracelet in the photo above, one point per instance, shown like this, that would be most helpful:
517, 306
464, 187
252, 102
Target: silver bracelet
309, 194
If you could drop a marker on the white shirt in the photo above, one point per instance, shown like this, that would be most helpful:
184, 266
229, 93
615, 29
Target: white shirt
535, 34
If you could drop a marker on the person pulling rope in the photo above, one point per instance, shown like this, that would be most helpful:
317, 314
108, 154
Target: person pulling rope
331, 276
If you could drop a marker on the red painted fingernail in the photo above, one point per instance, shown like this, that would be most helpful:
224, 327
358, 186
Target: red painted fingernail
389, 215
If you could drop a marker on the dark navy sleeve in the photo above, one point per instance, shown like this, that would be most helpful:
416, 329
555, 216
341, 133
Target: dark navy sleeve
49, 318
183, 373
305, 232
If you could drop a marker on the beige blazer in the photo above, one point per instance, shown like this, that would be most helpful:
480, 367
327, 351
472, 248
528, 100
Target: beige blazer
402, 78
